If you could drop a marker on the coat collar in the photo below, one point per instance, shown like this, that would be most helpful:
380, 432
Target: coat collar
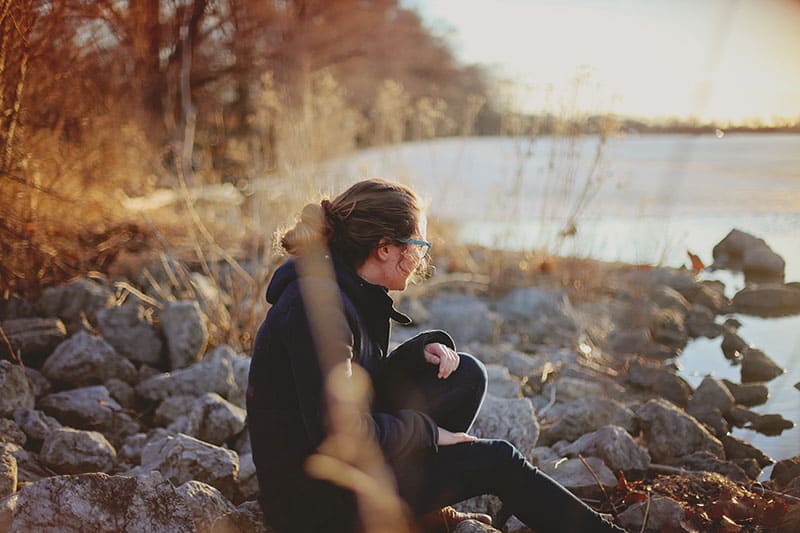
371, 297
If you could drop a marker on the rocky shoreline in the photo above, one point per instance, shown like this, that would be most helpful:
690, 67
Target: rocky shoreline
122, 416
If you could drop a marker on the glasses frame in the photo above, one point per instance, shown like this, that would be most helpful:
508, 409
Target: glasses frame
428, 245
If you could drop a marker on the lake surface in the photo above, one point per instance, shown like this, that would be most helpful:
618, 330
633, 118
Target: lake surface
651, 198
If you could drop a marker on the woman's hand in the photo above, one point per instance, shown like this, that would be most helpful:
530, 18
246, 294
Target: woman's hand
446, 438
438, 354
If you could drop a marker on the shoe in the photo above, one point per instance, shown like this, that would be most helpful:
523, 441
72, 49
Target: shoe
446, 519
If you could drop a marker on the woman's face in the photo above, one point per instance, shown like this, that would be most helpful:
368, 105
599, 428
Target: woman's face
406, 258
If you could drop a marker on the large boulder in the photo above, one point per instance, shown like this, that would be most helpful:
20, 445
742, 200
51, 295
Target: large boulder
206, 503
32, 339
768, 300
213, 419
181, 458
671, 433
501, 384
736, 448
71, 451
661, 513
16, 389
580, 479
467, 318
90, 408
97, 502
128, 329
172, 408
511, 419
757, 366
68, 302
750, 254
614, 445
659, 380
184, 326
748, 394
212, 374
546, 315
248, 517
85, 360
586, 415
710, 394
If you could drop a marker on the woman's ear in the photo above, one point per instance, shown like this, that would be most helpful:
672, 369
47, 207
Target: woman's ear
382, 251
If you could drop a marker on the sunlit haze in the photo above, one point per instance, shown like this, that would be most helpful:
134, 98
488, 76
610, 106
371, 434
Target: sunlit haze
724, 60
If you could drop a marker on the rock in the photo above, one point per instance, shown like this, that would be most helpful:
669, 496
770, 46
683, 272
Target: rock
213, 374
740, 416
613, 445
184, 327
513, 420
700, 323
546, 315
16, 389
90, 408
501, 384
122, 392
709, 294
130, 332
748, 394
8, 476
668, 328
736, 448
542, 454
668, 298
206, 503
29, 468
466, 318
97, 502
248, 481
247, 518
173, 408
770, 424
757, 366
750, 467
473, 526
39, 384
132, 446
15, 307
415, 309
672, 433
577, 478
637, 342
711, 417
522, 365
742, 251
243, 445
10, 432
733, 346
768, 300
570, 389
69, 301
85, 360
707, 462
32, 339
71, 451
786, 470
241, 373
711, 393
181, 458
212, 419
35, 424
659, 380
586, 415
663, 514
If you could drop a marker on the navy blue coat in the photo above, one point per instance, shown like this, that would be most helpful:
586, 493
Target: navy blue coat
285, 401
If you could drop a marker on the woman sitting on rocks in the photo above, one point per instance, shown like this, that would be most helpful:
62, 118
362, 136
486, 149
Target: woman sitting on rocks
426, 395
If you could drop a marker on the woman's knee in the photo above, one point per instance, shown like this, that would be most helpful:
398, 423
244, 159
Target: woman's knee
473, 372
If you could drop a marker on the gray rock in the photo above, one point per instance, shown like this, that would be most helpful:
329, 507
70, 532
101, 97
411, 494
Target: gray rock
35, 424
748, 394
415, 309
522, 365
90, 408
700, 323
212, 419
542, 454
32, 339
501, 384
247, 517
736, 448
206, 503
757, 366
569, 389
768, 300
672, 433
586, 415
578, 479
733, 346
786, 470
16, 389
531, 303
659, 380
85, 360
711, 393
709, 294
707, 462
72, 451
711, 417
39, 384
750, 254
663, 514
668, 328
172, 408
8, 476
181, 458
10, 432
511, 419
614, 445
97, 502
130, 332
638, 341
466, 318
241, 373
69, 301
668, 298
769, 424
122, 392
247, 482
473, 526
29, 467
132, 446
213, 374
184, 326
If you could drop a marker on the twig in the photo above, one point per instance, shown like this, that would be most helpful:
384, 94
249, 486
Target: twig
136, 292
646, 513
11, 351
597, 480
551, 403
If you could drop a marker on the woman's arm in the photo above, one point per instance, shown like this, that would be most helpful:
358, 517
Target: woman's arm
409, 357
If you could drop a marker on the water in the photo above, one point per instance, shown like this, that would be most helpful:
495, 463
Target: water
657, 197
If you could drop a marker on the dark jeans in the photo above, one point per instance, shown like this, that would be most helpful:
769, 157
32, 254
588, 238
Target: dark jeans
486, 466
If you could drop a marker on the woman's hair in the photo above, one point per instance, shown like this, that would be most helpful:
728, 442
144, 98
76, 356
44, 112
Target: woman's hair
353, 223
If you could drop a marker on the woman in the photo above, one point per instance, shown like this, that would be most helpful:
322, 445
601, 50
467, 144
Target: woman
426, 395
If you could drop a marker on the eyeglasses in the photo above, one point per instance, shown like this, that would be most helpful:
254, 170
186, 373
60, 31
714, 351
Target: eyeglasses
423, 247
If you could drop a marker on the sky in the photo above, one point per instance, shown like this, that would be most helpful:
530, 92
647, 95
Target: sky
724, 60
